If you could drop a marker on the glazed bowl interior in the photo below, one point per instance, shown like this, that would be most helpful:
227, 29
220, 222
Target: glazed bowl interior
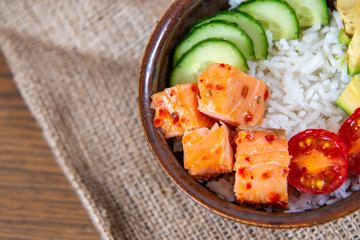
154, 75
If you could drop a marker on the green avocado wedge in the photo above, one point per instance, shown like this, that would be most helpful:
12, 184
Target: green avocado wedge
349, 100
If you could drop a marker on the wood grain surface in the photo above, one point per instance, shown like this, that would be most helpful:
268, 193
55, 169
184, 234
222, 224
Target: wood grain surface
36, 200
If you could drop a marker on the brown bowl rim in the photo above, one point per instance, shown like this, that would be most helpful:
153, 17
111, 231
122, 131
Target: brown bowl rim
156, 47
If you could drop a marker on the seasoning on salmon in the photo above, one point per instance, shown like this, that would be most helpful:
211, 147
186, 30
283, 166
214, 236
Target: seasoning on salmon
176, 110
261, 167
229, 95
207, 152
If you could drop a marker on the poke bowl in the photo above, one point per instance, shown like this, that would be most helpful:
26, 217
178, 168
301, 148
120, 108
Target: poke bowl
156, 74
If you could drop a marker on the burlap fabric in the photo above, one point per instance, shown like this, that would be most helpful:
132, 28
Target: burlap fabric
76, 64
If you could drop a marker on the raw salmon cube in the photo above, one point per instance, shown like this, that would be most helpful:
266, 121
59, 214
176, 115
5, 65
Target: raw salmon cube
207, 152
261, 168
176, 110
229, 95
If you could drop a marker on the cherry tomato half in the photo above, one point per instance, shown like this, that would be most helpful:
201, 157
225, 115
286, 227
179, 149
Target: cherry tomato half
319, 161
349, 132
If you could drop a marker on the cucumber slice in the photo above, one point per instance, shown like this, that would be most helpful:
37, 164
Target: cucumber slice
274, 15
349, 100
202, 55
310, 12
217, 29
247, 23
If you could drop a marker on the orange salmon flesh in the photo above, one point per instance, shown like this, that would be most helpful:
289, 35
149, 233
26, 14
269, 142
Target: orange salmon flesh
176, 110
229, 95
207, 152
261, 165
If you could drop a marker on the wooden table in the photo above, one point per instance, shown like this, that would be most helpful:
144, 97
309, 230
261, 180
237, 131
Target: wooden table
36, 200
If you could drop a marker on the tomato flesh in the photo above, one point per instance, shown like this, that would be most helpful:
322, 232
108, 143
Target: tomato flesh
319, 161
349, 132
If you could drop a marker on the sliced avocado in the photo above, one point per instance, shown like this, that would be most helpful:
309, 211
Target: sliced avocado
349, 100
354, 53
353, 69
343, 37
349, 14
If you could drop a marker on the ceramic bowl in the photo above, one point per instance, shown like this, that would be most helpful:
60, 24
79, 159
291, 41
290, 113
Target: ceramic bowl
154, 73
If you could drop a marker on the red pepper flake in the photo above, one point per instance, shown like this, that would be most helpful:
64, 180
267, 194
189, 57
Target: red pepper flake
172, 93
274, 197
201, 80
249, 137
284, 172
266, 95
248, 116
209, 86
157, 122
241, 171
265, 175
219, 87
162, 112
270, 138
158, 102
194, 88
222, 65
229, 68
252, 177
248, 186
176, 121
244, 91
247, 159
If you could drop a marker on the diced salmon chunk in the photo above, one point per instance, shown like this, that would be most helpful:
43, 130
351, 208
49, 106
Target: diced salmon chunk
261, 165
207, 152
229, 95
176, 110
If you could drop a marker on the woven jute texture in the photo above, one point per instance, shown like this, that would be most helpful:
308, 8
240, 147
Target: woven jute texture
76, 64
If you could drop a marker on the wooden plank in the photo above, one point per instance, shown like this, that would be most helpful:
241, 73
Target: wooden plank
36, 200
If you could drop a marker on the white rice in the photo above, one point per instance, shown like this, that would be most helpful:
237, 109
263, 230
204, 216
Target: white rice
223, 187
305, 77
